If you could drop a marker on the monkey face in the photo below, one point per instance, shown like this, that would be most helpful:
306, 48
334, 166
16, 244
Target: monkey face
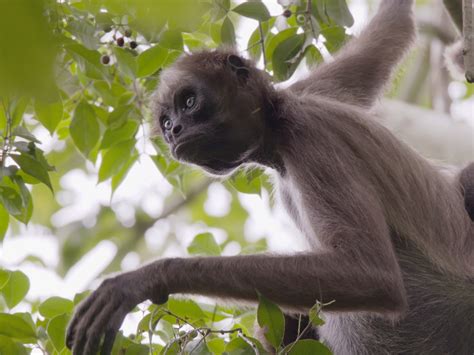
207, 117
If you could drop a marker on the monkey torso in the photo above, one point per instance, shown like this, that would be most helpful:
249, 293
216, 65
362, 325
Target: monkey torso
431, 232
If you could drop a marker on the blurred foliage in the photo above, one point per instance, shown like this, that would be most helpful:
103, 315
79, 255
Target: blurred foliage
84, 72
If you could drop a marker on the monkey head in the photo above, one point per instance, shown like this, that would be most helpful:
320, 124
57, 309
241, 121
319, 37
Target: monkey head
211, 107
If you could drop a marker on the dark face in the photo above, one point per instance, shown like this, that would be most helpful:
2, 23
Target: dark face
209, 120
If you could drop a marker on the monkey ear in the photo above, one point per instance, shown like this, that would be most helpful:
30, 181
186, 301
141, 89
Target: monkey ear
238, 66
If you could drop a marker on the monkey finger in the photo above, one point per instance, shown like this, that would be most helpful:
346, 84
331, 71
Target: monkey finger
83, 327
111, 331
81, 309
99, 325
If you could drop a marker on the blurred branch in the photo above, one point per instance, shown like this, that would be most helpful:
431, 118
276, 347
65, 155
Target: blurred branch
434, 135
443, 33
454, 8
143, 225
468, 40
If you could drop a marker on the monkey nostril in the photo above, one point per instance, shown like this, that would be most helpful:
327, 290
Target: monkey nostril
177, 129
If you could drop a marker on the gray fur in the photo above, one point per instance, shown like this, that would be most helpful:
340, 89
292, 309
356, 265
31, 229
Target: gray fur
390, 239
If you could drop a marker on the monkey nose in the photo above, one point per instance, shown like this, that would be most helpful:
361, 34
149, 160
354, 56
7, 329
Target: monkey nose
177, 130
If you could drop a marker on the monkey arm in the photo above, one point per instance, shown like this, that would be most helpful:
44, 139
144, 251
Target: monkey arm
294, 281
361, 69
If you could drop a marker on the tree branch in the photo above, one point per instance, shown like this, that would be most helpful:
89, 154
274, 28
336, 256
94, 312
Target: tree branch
468, 51
454, 8
174, 206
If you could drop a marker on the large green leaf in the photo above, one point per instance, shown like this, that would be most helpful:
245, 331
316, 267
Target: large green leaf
287, 56
115, 158
271, 318
338, 11
4, 277
227, 32
16, 288
33, 167
186, 309
151, 60
49, 114
126, 61
204, 244
55, 306
16, 327
56, 330
10, 347
116, 136
84, 128
255, 10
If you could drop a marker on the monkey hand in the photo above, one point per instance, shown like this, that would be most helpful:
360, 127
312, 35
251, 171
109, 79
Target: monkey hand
102, 313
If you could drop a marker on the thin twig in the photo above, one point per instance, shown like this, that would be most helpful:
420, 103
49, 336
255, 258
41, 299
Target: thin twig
262, 44
309, 13
7, 135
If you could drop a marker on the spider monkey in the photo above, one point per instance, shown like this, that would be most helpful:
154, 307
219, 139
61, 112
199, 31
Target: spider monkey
389, 238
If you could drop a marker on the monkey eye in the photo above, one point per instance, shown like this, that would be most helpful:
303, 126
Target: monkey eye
190, 101
167, 123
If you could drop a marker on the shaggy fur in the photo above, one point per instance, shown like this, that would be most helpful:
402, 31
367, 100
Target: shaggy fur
390, 240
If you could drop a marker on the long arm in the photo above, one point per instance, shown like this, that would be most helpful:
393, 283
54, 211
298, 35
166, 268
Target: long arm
359, 272
362, 68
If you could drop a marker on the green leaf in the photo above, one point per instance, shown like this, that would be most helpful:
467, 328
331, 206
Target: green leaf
49, 114
88, 60
285, 57
119, 116
4, 277
10, 347
248, 182
11, 200
255, 10
172, 39
115, 158
314, 315
151, 60
204, 244
338, 11
216, 345
227, 32
335, 37
33, 167
16, 327
277, 39
127, 63
16, 288
307, 347
55, 306
122, 173
186, 308
271, 318
57, 331
312, 55
4, 221
22, 132
115, 136
84, 128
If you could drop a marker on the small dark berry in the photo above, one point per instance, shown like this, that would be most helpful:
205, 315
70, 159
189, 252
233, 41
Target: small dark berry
120, 41
107, 28
105, 59
133, 44
287, 13
128, 33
